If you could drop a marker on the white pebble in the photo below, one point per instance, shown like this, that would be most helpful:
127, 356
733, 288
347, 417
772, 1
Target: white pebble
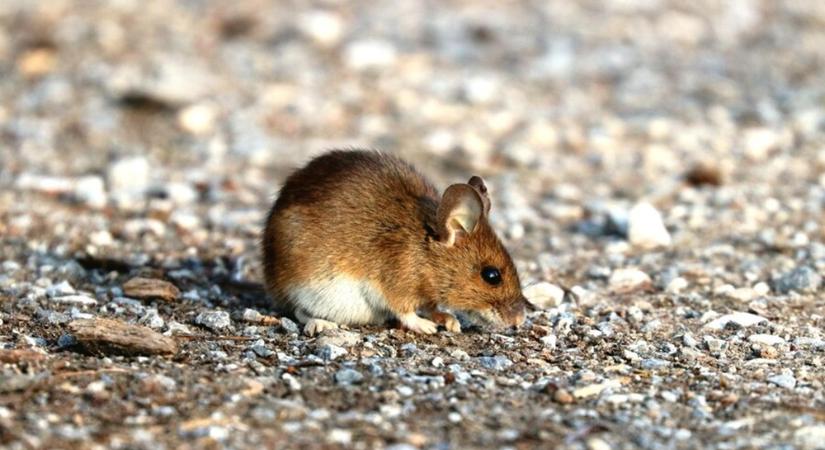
742, 319
645, 227
626, 280
370, 54
544, 294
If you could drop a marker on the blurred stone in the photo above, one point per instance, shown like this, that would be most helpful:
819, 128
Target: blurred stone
629, 280
645, 227
803, 280
150, 288
370, 54
214, 320
544, 294
740, 319
324, 28
198, 119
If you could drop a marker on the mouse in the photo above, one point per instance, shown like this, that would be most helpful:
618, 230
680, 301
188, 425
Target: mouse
361, 237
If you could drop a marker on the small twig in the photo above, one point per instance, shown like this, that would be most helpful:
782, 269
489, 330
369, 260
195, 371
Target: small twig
204, 337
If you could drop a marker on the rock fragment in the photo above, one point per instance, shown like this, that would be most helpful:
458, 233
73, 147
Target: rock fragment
117, 337
150, 288
645, 227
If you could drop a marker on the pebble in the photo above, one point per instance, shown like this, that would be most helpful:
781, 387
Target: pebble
740, 319
676, 285
370, 54
289, 326
198, 119
152, 319
338, 338
60, 289
497, 362
628, 280
129, 176
324, 28
714, 345
331, 352
150, 288
563, 396
79, 299
91, 191
810, 437
250, 315
645, 227
348, 376
214, 320
765, 339
785, 379
544, 294
803, 279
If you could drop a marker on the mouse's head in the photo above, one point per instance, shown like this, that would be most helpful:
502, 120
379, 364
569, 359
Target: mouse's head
473, 273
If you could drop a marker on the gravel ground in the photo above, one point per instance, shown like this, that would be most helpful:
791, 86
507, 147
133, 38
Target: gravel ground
657, 168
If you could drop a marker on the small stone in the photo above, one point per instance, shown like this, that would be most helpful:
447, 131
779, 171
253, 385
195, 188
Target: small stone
623, 281
646, 228
198, 119
544, 294
152, 319
181, 193
676, 285
289, 326
259, 348
563, 396
91, 191
437, 362
802, 280
714, 345
150, 288
765, 339
323, 27
654, 364
497, 362
370, 54
348, 376
129, 176
740, 319
214, 320
250, 315
331, 352
810, 437
60, 289
596, 389
79, 299
785, 379
176, 328
549, 341
338, 337
185, 220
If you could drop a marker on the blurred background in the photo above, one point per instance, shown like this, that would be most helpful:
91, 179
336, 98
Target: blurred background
193, 111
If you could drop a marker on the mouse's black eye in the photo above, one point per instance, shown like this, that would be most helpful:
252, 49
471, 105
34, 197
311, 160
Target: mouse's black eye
491, 275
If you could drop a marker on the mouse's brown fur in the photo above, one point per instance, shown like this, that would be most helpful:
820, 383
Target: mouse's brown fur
368, 226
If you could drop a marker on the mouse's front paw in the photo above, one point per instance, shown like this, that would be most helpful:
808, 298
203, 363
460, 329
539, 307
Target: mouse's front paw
418, 324
448, 320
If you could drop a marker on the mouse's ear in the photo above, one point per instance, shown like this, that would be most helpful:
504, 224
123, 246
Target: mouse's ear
479, 185
459, 212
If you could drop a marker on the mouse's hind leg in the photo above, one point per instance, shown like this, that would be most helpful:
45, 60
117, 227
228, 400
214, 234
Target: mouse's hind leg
313, 325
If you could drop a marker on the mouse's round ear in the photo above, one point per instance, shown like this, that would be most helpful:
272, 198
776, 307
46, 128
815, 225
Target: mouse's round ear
459, 212
479, 185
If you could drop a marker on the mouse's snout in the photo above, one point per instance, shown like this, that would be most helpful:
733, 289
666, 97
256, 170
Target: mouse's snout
514, 314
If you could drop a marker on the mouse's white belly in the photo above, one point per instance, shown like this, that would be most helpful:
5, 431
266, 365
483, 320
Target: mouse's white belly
340, 299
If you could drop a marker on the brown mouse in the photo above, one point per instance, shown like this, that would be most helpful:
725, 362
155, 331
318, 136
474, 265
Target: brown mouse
358, 237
